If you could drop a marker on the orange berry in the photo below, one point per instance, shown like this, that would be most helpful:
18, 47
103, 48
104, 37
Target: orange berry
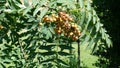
1, 27
60, 19
71, 33
64, 18
59, 31
78, 33
71, 19
40, 24
53, 15
66, 34
47, 20
51, 19
74, 26
46, 16
60, 13
69, 25
75, 38
54, 19
67, 15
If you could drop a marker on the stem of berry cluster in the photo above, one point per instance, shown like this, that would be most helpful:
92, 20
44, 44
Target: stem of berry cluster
78, 41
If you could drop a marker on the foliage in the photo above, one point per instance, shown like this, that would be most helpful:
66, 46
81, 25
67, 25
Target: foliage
27, 44
108, 12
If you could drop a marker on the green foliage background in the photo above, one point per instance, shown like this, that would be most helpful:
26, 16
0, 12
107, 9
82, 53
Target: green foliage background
108, 12
25, 44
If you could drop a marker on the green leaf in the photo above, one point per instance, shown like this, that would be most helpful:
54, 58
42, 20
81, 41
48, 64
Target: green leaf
95, 46
43, 12
82, 19
63, 53
46, 61
62, 62
27, 10
2, 15
43, 2
38, 8
48, 47
91, 43
65, 47
47, 33
51, 29
25, 37
31, 19
14, 4
108, 41
2, 1
48, 53
35, 2
69, 3
2, 65
26, 3
87, 38
8, 46
97, 26
103, 33
81, 3
34, 25
94, 17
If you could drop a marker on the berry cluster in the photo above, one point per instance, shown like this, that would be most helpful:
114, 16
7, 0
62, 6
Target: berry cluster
63, 25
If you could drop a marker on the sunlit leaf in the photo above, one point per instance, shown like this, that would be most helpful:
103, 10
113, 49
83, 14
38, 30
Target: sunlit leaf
27, 10
62, 62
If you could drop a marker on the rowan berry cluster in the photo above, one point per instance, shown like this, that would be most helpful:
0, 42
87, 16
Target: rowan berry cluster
64, 25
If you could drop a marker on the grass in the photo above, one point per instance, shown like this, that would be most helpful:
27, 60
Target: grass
86, 57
